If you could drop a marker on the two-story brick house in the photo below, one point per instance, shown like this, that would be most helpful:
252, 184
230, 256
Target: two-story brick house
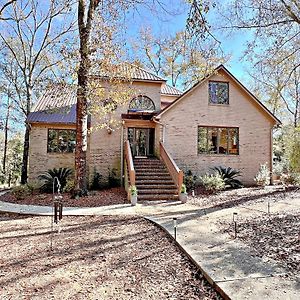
216, 122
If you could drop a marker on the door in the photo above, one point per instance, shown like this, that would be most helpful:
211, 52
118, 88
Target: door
141, 141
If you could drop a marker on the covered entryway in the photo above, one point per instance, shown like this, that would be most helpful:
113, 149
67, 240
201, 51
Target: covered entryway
141, 141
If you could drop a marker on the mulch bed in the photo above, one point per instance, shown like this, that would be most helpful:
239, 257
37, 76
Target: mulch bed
275, 236
95, 198
95, 258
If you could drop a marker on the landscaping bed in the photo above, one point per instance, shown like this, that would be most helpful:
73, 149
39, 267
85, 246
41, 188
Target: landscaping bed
243, 196
274, 236
94, 258
95, 198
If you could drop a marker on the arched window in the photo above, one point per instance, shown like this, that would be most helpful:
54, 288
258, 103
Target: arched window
141, 103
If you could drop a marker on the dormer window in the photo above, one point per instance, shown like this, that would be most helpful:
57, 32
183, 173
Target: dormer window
218, 92
141, 103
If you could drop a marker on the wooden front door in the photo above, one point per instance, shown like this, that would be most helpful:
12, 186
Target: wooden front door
141, 141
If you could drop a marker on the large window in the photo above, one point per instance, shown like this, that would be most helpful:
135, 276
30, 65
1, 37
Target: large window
61, 140
218, 92
218, 140
141, 103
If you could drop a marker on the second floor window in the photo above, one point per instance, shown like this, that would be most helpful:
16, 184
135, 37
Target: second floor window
218, 92
141, 103
61, 140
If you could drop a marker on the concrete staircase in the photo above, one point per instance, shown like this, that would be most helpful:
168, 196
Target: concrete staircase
153, 180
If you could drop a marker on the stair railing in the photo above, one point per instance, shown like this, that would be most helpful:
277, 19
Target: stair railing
175, 172
129, 166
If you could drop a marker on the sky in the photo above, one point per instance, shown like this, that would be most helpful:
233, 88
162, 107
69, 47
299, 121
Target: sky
175, 19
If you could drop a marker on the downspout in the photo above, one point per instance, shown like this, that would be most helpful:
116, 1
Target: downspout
164, 129
271, 162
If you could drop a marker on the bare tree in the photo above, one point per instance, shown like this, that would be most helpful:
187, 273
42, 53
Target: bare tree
4, 6
32, 33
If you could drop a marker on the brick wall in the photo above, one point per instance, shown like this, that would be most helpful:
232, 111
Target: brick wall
183, 119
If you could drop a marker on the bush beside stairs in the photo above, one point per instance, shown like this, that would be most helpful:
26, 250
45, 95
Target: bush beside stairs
153, 180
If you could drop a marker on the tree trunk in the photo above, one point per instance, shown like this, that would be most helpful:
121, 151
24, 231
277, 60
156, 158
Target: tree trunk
24, 174
6, 134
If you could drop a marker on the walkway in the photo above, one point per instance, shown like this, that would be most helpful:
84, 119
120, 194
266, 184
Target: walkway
229, 263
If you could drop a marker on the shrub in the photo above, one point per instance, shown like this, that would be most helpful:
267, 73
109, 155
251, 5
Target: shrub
229, 176
212, 182
133, 190
189, 180
63, 174
263, 176
22, 191
183, 189
290, 179
70, 186
113, 179
96, 183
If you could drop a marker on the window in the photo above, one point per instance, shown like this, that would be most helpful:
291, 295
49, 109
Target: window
61, 140
141, 103
218, 92
218, 140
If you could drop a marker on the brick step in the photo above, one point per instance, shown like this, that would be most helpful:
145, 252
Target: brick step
153, 177
152, 173
145, 168
147, 163
170, 186
157, 197
156, 191
153, 181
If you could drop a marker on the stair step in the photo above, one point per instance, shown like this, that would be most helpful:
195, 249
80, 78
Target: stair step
157, 197
153, 181
143, 168
156, 191
147, 173
170, 186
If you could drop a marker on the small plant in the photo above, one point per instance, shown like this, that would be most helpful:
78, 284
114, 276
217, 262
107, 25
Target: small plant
183, 189
133, 190
113, 179
96, 183
70, 186
229, 176
22, 191
63, 174
290, 179
212, 182
262, 178
190, 180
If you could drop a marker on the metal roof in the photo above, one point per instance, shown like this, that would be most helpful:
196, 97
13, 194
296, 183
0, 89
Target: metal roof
127, 71
170, 90
56, 105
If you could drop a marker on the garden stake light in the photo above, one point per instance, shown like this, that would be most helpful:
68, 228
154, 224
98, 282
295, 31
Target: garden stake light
234, 218
175, 227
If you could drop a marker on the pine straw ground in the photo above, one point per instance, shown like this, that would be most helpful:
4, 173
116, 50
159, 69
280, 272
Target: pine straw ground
94, 258
95, 198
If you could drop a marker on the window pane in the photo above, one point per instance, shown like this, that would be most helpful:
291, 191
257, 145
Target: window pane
71, 141
233, 141
52, 140
202, 139
212, 137
223, 137
141, 103
218, 92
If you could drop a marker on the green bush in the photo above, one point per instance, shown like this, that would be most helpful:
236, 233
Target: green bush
63, 174
70, 186
113, 178
189, 180
229, 176
290, 179
212, 182
22, 191
263, 176
96, 183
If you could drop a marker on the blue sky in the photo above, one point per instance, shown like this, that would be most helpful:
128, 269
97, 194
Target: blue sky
174, 20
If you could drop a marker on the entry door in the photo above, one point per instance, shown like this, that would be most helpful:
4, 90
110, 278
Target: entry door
141, 141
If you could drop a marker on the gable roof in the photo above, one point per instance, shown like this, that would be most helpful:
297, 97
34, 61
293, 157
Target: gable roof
170, 90
221, 67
